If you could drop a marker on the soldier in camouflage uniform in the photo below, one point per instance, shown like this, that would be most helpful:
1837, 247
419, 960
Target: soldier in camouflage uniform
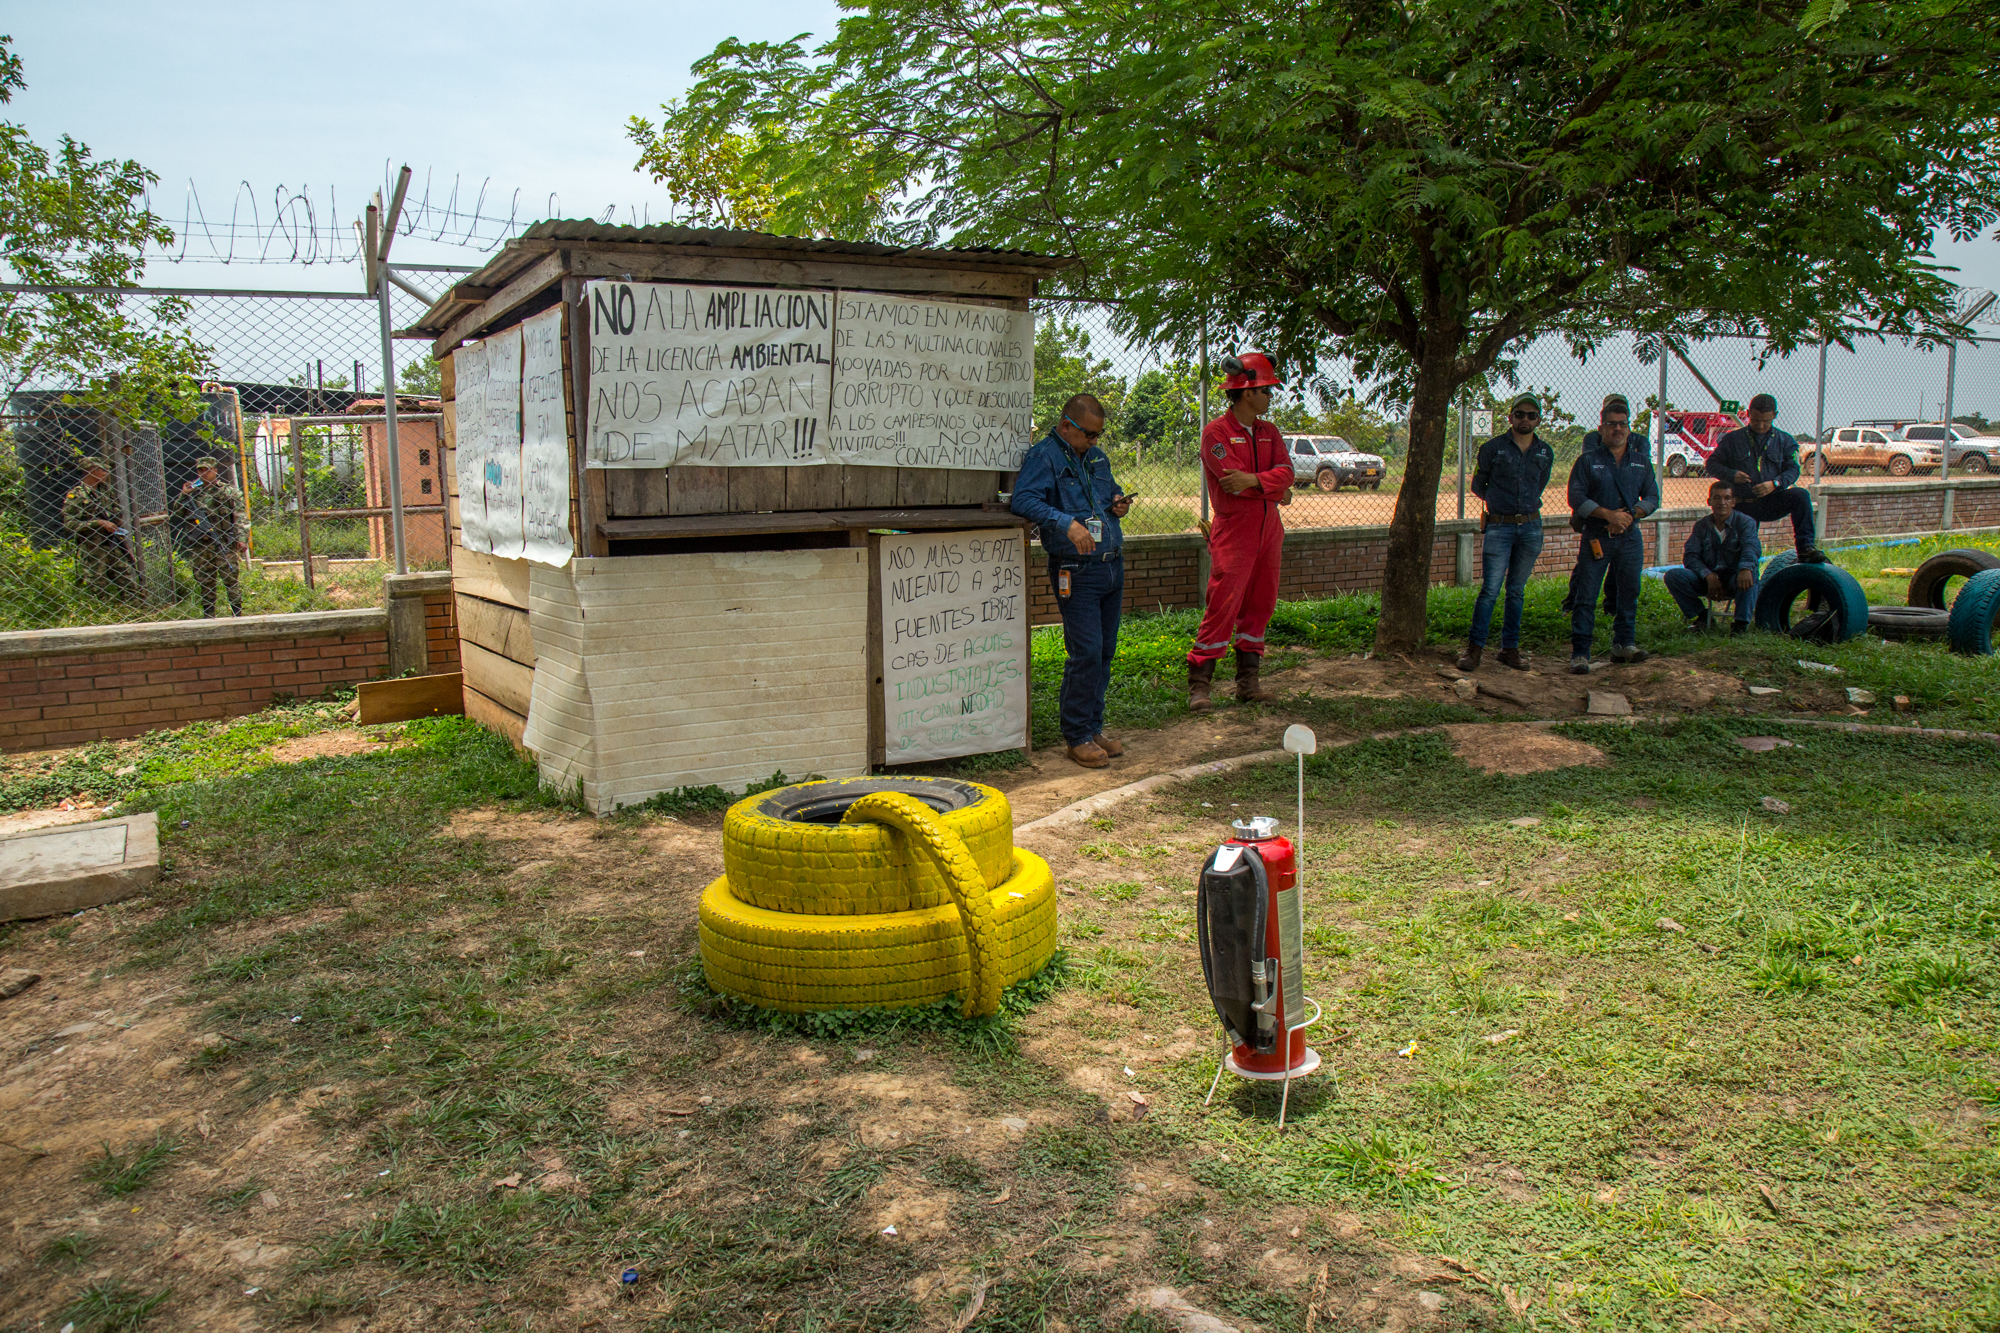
91, 518
211, 515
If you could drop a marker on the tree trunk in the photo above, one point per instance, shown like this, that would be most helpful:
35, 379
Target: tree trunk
1406, 578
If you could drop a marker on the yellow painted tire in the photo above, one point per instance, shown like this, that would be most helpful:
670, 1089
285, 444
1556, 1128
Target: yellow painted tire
776, 859
801, 963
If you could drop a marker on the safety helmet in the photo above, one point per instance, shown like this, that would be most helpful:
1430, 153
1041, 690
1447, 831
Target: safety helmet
1250, 370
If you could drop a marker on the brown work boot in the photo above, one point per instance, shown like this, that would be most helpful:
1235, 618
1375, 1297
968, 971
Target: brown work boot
1248, 690
1469, 661
1089, 755
1515, 658
1106, 744
1201, 679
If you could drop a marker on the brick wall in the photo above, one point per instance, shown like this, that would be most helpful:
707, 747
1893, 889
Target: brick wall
1161, 572
441, 631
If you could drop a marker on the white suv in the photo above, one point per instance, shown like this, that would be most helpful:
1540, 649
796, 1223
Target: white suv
1329, 462
1970, 451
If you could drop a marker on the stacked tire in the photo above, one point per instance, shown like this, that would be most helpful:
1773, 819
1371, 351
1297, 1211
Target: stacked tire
871, 893
1829, 586
1963, 616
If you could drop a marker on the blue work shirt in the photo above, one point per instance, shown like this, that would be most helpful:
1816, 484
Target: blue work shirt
1055, 487
1599, 481
1511, 480
1773, 458
1723, 553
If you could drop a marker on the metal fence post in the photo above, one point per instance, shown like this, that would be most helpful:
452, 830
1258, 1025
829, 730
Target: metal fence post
1945, 515
1201, 562
297, 433
1660, 555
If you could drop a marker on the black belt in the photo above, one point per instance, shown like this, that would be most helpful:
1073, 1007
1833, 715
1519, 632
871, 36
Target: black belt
1513, 518
1095, 557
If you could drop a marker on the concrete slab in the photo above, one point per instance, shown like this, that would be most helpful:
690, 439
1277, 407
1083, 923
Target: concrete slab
46, 872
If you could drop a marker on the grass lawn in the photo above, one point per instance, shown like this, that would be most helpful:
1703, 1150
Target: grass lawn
399, 1038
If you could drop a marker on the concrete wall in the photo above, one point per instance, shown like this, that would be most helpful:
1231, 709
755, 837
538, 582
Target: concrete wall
1161, 572
107, 682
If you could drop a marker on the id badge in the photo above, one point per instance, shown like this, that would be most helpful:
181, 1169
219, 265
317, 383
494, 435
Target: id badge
1095, 527
1062, 583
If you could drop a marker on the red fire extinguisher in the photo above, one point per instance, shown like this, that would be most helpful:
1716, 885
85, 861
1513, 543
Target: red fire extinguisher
1251, 927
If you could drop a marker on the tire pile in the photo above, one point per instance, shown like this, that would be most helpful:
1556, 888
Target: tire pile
1837, 609
875, 893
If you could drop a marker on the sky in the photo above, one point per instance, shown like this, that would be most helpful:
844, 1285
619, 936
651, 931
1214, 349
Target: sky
241, 102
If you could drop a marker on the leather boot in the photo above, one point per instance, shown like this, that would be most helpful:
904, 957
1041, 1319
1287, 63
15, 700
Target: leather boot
1512, 657
1470, 660
1201, 679
1248, 690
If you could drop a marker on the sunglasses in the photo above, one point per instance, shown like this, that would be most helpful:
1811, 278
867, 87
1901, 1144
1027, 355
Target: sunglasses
1090, 436
1527, 416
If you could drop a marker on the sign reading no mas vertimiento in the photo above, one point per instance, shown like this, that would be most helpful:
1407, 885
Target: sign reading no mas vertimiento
707, 376
954, 644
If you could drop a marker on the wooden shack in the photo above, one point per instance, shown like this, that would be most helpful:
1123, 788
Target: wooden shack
724, 504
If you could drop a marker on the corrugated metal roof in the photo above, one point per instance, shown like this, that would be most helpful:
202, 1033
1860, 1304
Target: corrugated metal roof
663, 233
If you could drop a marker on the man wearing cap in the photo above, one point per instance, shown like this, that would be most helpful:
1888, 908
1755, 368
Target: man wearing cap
211, 517
1065, 486
91, 518
1719, 562
1611, 488
1248, 471
1513, 472
1762, 463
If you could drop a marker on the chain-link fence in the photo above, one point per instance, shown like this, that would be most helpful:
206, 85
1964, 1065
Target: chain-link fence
289, 406
1349, 452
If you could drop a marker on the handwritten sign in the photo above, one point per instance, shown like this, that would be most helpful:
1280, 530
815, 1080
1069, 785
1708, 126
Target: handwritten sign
706, 376
500, 468
545, 535
470, 447
922, 383
954, 644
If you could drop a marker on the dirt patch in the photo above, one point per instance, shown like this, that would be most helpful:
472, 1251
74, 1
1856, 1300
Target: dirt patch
1515, 748
325, 745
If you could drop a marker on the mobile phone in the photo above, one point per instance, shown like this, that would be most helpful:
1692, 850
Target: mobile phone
1129, 496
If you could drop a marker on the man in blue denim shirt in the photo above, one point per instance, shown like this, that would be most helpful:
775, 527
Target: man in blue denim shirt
1611, 488
1065, 486
1761, 464
1513, 472
1719, 562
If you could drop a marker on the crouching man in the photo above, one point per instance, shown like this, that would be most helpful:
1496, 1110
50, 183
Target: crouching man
1719, 563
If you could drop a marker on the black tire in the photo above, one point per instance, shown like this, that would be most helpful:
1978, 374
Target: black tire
1928, 584
1782, 560
1973, 613
1901, 466
1327, 479
1835, 589
1677, 466
1974, 464
1909, 622
1374, 485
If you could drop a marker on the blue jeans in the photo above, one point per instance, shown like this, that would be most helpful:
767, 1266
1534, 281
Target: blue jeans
1690, 589
1090, 617
1624, 557
1508, 552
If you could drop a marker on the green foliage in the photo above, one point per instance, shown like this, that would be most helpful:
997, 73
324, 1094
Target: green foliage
111, 1307
69, 1249
119, 1174
696, 800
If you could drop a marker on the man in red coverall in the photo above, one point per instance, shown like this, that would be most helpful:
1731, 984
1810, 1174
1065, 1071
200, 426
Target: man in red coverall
1249, 474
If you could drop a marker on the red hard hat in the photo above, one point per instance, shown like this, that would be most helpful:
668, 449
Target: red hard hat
1250, 370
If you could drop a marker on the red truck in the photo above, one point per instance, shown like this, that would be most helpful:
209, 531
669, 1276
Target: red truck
1692, 437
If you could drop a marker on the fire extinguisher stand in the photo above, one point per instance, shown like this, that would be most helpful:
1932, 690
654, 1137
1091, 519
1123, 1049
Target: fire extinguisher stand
1299, 740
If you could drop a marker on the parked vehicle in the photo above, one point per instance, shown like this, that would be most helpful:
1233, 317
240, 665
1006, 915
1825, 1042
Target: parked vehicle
1861, 446
1692, 437
1329, 462
1971, 452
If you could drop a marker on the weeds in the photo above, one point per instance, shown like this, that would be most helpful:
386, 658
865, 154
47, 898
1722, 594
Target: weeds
111, 1307
119, 1174
70, 1250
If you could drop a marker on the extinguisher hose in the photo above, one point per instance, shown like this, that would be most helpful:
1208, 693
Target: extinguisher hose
925, 836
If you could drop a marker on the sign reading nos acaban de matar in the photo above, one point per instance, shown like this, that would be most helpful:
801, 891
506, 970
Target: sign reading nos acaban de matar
686, 375
954, 644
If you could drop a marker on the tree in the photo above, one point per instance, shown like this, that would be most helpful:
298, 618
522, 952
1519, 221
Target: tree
1420, 187
1064, 367
70, 219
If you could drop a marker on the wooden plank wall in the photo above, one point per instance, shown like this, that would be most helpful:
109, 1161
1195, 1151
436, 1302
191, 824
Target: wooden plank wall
654, 492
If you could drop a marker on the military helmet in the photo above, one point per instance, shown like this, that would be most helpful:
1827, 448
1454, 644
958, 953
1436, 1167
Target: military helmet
201, 463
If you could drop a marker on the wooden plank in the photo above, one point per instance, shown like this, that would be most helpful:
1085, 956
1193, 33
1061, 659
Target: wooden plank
813, 487
588, 503
497, 627
965, 487
790, 271
500, 679
697, 490
477, 574
412, 697
726, 525
541, 275
988, 263
878, 721
868, 487
593, 510
448, 378
635, 492
922, 485
756, 490
495, 717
